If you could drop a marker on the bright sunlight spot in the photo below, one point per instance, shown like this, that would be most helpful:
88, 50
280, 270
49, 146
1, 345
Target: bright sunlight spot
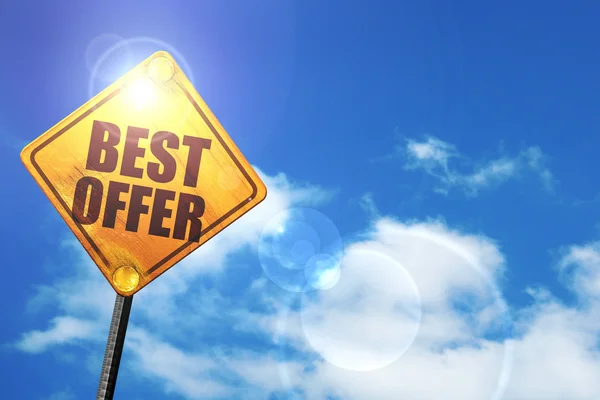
141, 92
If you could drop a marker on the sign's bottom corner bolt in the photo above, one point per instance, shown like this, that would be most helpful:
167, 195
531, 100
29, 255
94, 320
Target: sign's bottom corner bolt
126, 278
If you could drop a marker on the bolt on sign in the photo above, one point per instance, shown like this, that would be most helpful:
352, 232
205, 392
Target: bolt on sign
143, 174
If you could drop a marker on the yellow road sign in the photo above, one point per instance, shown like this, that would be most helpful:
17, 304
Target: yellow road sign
143, 174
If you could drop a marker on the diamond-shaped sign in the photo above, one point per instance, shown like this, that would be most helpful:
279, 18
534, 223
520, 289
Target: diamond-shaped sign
143, 174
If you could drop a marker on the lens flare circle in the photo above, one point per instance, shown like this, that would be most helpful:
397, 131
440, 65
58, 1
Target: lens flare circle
330, 341
300, 249
374, 290
322, 271
95, 50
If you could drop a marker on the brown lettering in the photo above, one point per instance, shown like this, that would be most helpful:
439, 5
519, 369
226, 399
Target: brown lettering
192, 169
185, 215
133, 151
99, 142
137, 207
114, 203
168, 161
160, 212
80, 199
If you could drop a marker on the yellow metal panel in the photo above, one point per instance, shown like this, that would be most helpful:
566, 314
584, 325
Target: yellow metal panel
143, 174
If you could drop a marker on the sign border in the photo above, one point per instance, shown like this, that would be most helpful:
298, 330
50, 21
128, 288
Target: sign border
187, 244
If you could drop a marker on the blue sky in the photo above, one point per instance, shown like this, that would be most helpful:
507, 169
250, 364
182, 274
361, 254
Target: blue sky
452, 147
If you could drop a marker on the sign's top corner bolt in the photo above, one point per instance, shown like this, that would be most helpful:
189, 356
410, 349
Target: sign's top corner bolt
161, 69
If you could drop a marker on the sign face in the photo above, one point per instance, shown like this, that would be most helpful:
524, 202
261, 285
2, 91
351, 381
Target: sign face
143, 174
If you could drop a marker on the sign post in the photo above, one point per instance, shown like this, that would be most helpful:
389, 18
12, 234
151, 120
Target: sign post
114, 348
143, 174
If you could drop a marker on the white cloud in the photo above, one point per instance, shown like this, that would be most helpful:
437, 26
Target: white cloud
367, 203
264, 371
362, 325
584, 264
432, 151
557, 357
63, 330
355, 340
181, 372
553, 356
66, 394
209, 374
536, 160
434, 156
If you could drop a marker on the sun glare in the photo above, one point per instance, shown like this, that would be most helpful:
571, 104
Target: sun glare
141, 92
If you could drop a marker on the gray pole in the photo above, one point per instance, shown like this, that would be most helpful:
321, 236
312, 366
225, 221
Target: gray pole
114, 348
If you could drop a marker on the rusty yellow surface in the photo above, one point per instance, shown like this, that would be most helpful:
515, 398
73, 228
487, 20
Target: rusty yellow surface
155, 96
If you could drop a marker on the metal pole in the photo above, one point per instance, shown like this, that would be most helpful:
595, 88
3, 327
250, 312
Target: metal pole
114, 348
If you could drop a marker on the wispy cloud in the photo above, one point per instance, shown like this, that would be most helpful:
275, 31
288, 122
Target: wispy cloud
580, 266
367, 203
454, 171
65, 394
63, 330
11, 141
181, 372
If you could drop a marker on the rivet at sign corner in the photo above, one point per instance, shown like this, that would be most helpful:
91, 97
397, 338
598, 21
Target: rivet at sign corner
126, 278
161, 68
